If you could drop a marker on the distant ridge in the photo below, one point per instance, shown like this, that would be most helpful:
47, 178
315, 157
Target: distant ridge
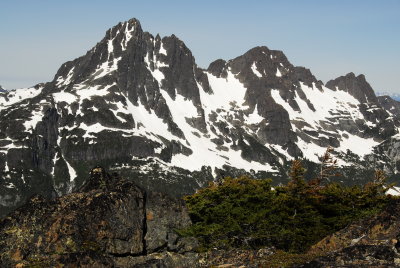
395, 96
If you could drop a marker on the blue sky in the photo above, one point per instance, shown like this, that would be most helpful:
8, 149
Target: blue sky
331, 38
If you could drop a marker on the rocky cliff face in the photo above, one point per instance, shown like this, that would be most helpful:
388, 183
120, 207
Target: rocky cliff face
110, 222
391, 105
139, 104
371, 107
357, 86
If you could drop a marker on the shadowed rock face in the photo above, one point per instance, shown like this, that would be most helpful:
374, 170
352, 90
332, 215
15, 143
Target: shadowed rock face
391, 105
357, 86
110, 222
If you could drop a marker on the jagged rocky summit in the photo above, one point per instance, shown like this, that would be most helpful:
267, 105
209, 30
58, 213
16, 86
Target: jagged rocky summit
110, 222
139, 104
2, 90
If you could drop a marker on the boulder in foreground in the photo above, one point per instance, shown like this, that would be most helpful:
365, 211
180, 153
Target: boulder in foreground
110, 222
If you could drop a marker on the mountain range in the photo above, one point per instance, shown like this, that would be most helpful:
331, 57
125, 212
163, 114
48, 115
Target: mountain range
139, 105
394, 96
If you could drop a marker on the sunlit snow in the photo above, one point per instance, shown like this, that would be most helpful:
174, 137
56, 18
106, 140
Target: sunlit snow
71, 171
162, 50
254, 117
67, 81
127, 35
64, 96
226, 92
17, 95
255, 71
325, 103
36, 117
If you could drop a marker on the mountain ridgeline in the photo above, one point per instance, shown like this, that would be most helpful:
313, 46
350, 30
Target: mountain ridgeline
139, 104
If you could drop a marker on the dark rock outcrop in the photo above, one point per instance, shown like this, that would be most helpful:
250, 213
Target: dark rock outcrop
110, 222
370, 107
390, 105
357, 86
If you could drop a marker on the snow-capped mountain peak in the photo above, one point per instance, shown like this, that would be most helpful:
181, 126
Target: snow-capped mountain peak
135, 96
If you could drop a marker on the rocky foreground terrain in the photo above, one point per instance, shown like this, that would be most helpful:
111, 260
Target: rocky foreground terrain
372, 242
111, 222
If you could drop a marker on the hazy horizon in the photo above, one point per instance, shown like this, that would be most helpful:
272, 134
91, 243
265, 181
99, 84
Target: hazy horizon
331, 39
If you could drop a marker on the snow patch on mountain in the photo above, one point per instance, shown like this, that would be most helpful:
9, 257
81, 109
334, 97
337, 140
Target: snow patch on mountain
254, 117
227, 92
255, 71
328, 104
35, 118
147, 122
106, 68
156, 73
111, 64
278, 73
282, 151
356, 144
71, 172
128, 35
63, 96
17, 95
87, 92
162, 50
63, 82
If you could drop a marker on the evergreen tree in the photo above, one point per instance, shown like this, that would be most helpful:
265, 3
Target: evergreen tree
297, 183
328, 167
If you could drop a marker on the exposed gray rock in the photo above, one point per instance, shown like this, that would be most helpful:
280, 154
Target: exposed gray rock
163, 217
110, 222
357, 86
390, 105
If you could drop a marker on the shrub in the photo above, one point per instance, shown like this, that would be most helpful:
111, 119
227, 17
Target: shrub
248, 213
